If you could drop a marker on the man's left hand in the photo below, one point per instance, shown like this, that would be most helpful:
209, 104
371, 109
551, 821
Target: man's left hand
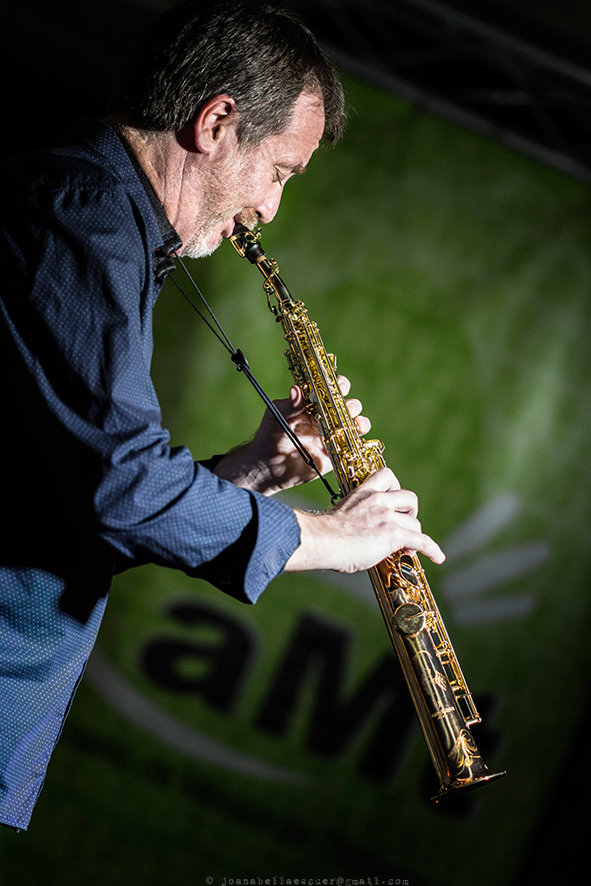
270, 462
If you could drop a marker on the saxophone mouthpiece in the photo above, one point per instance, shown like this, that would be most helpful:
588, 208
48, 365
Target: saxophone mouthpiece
240, 230
246, 243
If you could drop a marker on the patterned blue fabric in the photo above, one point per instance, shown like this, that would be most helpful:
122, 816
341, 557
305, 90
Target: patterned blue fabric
89, 484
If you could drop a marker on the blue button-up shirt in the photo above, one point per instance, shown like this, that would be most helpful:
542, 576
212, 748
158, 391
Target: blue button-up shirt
89, 483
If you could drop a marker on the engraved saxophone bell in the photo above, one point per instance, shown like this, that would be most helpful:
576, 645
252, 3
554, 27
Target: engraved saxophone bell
442, 701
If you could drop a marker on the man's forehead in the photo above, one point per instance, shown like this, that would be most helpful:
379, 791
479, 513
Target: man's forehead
308, 105
303, 132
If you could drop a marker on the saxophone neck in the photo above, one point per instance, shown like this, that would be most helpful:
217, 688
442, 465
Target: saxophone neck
247, 245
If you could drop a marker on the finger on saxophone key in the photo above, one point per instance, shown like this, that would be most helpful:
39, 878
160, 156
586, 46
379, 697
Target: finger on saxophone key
385, 479
366, 526
400, 517
344, 384
354, 406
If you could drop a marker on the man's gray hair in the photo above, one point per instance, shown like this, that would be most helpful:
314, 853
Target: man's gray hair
259, 54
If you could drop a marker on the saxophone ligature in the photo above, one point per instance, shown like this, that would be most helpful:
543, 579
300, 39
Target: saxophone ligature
441, 697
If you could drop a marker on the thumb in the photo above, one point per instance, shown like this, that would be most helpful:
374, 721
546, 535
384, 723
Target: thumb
292, 405
296, 398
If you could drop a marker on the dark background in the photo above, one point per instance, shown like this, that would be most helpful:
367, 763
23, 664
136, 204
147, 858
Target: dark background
518, 71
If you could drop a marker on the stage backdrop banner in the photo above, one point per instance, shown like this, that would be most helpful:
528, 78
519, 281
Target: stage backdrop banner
217, 743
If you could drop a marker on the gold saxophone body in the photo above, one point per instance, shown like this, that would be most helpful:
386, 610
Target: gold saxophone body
432, 672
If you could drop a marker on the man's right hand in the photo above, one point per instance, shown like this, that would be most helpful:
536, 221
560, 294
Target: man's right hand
370, 523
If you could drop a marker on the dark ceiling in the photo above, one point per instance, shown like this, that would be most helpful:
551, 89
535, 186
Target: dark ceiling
518, 71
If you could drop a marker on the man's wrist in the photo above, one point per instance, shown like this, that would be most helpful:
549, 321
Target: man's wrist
241, 467
311, 553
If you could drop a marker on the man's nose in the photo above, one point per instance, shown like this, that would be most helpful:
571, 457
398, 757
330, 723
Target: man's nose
267, 206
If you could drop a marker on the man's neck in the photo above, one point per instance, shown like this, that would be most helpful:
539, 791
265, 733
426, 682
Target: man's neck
164, 161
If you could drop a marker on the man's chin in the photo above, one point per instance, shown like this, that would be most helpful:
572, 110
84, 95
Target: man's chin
200, 247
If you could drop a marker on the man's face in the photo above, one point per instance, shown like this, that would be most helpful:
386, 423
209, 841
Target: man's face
246, 184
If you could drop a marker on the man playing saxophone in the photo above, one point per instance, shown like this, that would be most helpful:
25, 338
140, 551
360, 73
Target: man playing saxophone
222, 104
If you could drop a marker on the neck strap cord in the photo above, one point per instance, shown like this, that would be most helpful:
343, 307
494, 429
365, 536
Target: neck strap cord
242, 365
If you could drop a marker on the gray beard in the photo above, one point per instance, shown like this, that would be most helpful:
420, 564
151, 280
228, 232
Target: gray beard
198, 248
219, 189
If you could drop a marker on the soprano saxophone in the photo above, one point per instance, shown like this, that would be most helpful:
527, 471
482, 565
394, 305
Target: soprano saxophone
441, 698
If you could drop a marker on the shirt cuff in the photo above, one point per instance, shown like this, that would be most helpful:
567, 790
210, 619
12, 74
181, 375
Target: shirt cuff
249, 564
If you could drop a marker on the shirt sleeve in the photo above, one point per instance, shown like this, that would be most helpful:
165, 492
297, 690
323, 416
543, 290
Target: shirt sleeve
80, 341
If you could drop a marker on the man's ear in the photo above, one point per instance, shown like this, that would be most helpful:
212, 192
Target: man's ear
215, 123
